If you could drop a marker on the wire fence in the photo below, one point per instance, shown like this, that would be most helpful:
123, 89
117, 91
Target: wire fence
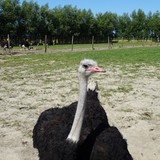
44, 47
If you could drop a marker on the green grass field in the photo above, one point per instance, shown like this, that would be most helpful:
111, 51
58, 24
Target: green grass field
51, 61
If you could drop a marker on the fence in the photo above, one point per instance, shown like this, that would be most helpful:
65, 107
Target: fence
93, 45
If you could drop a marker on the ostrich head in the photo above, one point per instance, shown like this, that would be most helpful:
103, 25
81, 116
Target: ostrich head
88, 67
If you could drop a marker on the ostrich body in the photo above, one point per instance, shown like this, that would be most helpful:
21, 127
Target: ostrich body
78, 131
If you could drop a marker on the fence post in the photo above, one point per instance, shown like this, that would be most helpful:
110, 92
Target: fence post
133, 41
72, 42
151, 42
93, 43
158, 41
8, 40
143, 41
45, 41
122, 42
108, 41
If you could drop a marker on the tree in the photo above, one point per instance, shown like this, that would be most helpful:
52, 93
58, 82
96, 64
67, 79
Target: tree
86, 22
69, 22
154, 24
30, 14
107, 24
8, 14
31, 21
124, 26
138, 23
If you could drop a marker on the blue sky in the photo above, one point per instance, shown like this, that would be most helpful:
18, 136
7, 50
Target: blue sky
101, 6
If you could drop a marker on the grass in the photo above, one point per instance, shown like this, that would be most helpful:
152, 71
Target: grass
39, 63
124, 89
126, 110
118, 43
146, 116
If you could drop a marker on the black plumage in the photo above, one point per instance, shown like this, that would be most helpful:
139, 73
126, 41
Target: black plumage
97, 139
54, 124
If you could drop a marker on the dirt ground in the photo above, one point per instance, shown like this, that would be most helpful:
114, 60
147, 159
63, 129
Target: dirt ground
130, 99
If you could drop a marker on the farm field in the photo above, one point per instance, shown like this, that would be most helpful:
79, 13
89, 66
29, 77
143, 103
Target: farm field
81, 47
129, 92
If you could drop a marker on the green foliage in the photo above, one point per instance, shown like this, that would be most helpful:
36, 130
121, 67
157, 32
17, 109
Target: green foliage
29, 20
107, 23
138, 24
154, 24
124, 26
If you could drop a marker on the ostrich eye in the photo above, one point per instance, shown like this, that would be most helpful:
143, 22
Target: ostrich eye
85, 66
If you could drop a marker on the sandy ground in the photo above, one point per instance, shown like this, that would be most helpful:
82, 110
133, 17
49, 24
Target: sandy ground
131, 98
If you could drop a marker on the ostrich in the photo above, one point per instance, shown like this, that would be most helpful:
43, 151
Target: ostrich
78, 131
26, 45
6, 46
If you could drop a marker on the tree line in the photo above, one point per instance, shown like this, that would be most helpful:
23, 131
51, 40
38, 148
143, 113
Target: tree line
29, 20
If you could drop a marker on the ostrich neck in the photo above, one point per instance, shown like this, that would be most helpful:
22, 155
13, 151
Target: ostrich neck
78, 119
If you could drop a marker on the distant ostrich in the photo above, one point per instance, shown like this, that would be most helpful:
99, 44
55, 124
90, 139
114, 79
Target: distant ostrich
6, 46
79, 131
25, 45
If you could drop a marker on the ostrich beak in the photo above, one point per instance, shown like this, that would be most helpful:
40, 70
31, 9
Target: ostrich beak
96, 69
